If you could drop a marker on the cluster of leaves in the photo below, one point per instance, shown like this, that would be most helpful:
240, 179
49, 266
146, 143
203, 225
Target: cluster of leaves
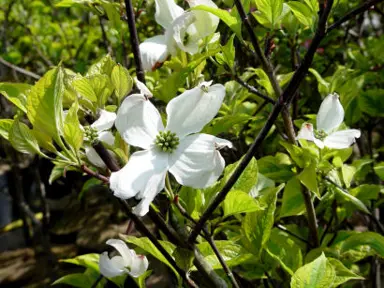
260, 228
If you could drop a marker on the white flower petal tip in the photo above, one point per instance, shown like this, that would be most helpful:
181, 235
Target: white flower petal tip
154, 51
306, 132
105, 120
143, 88
166, 12
342, 139
331, 114
126, 263
190, 111
222, 143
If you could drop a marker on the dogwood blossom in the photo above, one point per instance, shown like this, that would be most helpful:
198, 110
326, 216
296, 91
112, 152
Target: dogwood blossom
128, 262
192, 158
329, 118
183, 30
98, 132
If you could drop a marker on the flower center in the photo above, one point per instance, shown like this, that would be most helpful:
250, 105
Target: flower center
91, 135
320, 134
167, 141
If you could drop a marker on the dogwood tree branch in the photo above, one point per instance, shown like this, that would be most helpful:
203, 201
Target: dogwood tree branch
364, 7
211, 243
284, 99
268, 69
20, 70
253, 90
134, 40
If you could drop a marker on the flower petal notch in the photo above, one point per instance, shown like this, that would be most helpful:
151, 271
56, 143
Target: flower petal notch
329, 118
127, 262
193, 159
184, 30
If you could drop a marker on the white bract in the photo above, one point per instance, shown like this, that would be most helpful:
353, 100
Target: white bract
183, 30
128, 262
193, 159
99, 131
329, 118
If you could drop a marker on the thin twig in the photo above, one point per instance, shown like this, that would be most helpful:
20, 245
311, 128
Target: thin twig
94, 285
364, 7
311, 215
94, 174
253, 90
134, 40
268, 69
282, 228
20, 70
211, 242
286, 97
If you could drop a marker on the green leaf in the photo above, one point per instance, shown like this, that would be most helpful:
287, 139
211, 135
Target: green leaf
271, 9
83, 86
5, 126
308, 178
344, 195
73, 134
184, 258
372, 239
192, 200
343, 274
275, 168
263, 80
372, 102
22, 138
247, 179
15, 93
232, 22
285, 251
87, 260
366, 191
347, 172
257, 226
379, 170
103, 88
262, 183
59, 170
112, 10
103, 66
122, 81
229, 52
323, 85
145, 244
232, 253
293, 201
316, 274
239, 202
302, 13
84, 280
44, 103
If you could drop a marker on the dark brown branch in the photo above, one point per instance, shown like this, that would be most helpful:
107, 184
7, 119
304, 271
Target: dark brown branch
211, 242
253, 90
134, 40
20, 70
311, 215
286, 97
94, 174
109, 161
364, 7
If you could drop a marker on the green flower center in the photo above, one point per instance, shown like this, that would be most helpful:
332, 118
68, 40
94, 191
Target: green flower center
204, 88
167, 141
91, 135
320, 134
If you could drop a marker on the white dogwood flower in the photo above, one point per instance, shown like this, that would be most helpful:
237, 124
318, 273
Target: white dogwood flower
97, 131
193, 159
128, 262
183, 30
329, 118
